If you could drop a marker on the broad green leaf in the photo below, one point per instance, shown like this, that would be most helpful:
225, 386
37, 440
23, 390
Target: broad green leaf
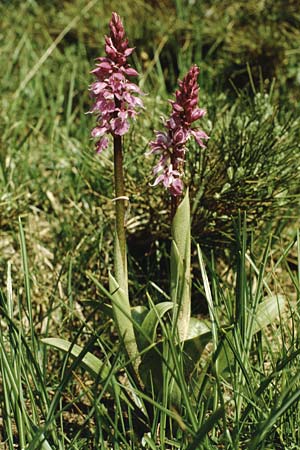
122, 314
177, 277
199, 335
120, 269
267, 311
152, 361
197, 328
181, 265
124, 322
151, 321
139, 313
118, 287
90, 362
181, 227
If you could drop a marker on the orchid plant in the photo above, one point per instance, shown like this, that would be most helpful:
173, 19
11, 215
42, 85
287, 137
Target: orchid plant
117, 100
171, 146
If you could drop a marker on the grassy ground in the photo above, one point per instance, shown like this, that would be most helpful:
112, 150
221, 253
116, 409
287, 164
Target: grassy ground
57, 220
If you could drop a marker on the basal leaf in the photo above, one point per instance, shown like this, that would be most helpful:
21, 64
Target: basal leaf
139, 313
267, 311
181, 228
151, 321
197, 328
90, 362
124, 322
181, 265
120, 268
199, 335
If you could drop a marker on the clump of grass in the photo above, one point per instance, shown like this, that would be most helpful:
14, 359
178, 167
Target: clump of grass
244, 392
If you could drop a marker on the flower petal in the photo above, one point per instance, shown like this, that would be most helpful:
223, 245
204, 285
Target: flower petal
98, 131
102, 144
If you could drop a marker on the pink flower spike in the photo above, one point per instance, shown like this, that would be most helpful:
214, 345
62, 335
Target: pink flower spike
116, 98
171, 144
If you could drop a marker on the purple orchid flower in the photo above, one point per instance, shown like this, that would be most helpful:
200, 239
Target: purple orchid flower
116, 99
171, 144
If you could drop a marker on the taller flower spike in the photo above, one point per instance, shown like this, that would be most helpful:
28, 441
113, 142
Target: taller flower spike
171, 144
115, 96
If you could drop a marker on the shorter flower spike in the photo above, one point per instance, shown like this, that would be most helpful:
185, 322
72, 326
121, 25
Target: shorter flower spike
171, 144
116, 99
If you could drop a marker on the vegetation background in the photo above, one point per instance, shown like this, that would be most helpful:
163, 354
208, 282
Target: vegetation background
55, 189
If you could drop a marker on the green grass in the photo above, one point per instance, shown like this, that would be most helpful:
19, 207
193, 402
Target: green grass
56, 227
243, 394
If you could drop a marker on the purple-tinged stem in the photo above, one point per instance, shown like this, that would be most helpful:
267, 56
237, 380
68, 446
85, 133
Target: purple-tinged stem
120, 192
174, 205
175, 199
